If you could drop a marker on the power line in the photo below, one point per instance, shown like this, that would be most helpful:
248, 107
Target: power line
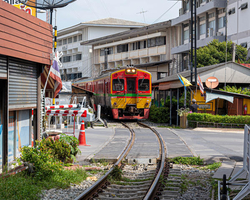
165, 12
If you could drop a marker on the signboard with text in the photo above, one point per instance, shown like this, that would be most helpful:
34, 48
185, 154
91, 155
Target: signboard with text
27, 9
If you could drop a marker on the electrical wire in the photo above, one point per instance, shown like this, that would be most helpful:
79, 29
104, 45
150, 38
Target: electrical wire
166, 12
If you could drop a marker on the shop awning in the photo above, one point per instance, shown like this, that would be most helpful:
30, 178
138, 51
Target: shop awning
211, 96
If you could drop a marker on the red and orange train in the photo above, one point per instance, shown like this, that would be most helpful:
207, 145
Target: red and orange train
124, 94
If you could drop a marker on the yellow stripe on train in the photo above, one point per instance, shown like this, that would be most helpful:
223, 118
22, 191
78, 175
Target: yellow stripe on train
122, 102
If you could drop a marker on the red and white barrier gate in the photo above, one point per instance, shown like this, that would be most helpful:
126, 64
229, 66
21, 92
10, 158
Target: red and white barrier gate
61, 106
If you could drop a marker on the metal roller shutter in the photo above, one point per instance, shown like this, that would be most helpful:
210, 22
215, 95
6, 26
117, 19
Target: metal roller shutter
3, 67
22, 84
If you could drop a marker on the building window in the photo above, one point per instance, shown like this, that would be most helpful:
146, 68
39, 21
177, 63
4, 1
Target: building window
60, 43
79, 37
211, 24
222, 11
161, 75
69, 40
244, 45
202, 29
186, 35
185, 25
77, 57
65, 41
66, 59
135, 46
231, 11
222, 22
186, 5
211, 15
202, 18
75, 38
160, 41
109, 51
156, 41
243, 6
122, 48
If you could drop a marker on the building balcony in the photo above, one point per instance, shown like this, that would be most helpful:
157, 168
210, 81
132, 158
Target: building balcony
200, 43
202, 9
135, 54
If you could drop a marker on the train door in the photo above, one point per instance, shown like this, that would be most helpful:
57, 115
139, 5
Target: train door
131, 90
131, 87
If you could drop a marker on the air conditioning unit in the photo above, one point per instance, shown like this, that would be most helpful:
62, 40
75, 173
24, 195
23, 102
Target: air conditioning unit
180, 11
219, 33
64, 48
210, 32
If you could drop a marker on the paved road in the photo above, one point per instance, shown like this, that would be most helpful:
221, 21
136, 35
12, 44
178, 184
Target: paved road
97, 138
213, 145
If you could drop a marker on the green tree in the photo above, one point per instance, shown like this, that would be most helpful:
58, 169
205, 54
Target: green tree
215, 53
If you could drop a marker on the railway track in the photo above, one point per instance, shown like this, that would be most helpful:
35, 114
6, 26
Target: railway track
137, 182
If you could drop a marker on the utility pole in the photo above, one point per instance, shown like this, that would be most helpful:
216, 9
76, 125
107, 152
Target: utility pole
193, 42
106, 58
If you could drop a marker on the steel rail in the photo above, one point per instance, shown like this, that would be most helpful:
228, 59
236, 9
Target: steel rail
152, 190
93, 191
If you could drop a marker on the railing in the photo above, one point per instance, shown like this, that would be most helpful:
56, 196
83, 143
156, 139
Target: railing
216, 125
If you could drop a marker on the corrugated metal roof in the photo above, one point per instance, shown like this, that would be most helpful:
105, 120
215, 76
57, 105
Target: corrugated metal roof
187, 74
114, 21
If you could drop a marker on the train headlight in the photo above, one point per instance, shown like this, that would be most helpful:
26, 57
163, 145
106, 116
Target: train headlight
115, 104
146, 104
130, 70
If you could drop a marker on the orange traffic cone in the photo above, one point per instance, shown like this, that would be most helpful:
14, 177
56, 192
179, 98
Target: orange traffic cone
82, 139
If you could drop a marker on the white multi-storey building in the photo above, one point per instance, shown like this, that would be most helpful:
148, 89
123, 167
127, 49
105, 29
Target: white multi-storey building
216, 19
77, 59
147, 48
238, 14
211, 23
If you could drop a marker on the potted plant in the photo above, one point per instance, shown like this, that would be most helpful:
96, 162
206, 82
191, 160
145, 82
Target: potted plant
183, 112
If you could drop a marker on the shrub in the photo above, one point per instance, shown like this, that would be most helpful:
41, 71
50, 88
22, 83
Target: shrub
204, 117
73, 142
159, 115
43, 161
59, 149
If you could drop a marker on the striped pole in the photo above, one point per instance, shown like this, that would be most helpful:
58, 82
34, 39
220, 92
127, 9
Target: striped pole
55, 38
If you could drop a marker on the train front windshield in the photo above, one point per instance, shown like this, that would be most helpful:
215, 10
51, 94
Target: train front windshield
118, 84
143, 84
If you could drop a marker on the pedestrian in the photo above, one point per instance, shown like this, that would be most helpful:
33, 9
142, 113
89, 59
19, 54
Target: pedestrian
194, 106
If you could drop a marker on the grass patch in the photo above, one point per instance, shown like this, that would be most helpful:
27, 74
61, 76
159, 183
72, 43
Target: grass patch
21, 186
187, 160
100, 161
211, 166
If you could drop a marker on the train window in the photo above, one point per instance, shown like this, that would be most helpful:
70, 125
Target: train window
143, 84
118, 84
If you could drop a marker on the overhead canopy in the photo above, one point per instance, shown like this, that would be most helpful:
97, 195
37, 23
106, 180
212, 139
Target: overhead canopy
211, 96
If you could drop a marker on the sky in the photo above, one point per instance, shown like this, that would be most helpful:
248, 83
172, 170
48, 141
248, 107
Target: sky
89, 10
